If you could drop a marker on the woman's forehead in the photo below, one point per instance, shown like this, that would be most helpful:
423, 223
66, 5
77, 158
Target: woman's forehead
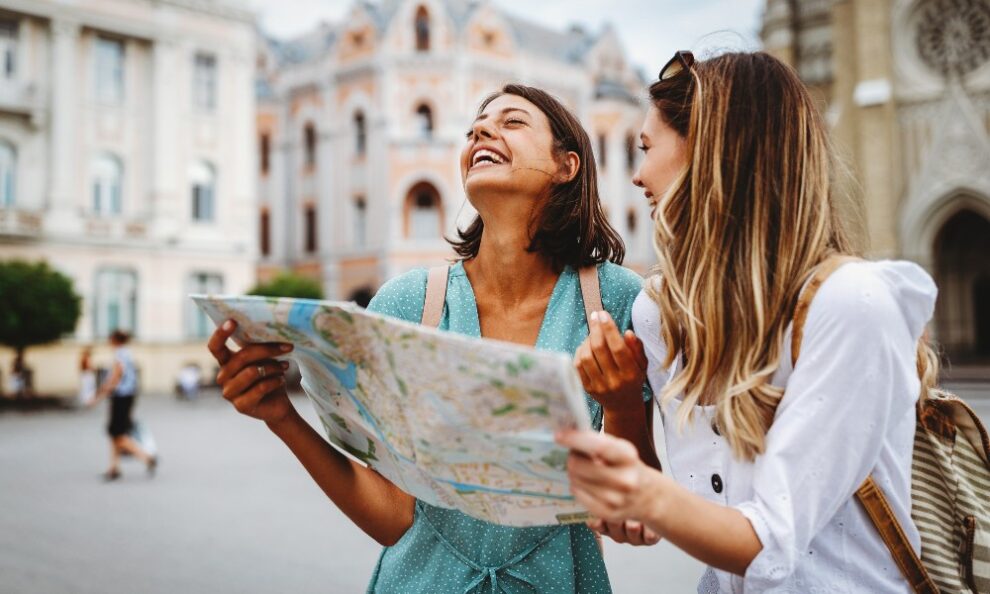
507, 103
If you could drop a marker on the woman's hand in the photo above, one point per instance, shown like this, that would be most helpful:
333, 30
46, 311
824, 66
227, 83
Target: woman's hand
608, 477
612, 366
627, 532
252, 379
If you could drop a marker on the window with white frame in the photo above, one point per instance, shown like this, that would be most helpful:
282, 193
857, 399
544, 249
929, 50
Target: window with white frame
8, 173
109, 77
8, 49
198, 324
424, 220
107, 176
205, 82
202, 179
115, 302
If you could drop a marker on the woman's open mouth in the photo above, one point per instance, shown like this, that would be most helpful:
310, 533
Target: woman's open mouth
486, 158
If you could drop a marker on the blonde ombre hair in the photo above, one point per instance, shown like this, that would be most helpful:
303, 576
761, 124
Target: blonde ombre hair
739, 233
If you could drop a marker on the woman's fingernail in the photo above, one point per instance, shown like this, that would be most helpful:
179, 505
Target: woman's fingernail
286, 348
603, 316
228, 325
594, 316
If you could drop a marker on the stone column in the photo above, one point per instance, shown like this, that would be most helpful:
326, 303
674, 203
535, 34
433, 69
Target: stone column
168, 174
878, 146
64, 148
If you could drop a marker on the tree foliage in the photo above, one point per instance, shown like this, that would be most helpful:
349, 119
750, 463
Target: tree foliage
39, 304
287, 284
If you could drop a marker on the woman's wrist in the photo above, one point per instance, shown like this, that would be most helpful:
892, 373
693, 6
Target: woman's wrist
283, 426
656, 491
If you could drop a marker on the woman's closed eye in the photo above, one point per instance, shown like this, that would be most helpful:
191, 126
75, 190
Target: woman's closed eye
643, 148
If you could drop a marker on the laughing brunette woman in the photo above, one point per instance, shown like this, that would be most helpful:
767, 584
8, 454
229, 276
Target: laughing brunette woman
528, 170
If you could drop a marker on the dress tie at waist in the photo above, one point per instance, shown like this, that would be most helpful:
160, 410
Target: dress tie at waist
491, 574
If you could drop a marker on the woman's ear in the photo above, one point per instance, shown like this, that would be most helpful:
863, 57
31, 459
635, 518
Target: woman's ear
569, 167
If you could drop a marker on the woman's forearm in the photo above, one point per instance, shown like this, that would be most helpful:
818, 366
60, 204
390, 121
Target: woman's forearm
371, 501
633, 424
715, 534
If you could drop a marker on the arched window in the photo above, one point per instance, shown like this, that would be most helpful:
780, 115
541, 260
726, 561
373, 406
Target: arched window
631, 152
107, 174
264, 152
360, 222
424, 121
424, 217
203, 182
360, 134
309, 224
265, 232
8, 174
422, 30
309, 142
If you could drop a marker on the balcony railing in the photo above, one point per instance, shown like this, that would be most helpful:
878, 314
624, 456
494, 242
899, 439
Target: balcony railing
19, 223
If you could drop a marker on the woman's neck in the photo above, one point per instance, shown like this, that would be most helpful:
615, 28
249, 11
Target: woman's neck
505, 268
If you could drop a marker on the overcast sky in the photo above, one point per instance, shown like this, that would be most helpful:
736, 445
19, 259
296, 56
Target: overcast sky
651, 30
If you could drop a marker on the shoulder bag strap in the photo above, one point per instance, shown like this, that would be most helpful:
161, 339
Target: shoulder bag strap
869, 493
591, 292
436, 295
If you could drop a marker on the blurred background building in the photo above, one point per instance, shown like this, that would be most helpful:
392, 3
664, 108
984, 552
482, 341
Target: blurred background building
905, 85
127, 162
361, 123
154, 148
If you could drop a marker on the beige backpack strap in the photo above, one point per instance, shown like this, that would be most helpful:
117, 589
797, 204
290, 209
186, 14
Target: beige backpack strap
591, 292
883, 518
436, 295
869, 493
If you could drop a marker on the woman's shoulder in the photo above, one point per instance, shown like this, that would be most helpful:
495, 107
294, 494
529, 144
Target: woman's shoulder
402, 296
619, 285
864, 294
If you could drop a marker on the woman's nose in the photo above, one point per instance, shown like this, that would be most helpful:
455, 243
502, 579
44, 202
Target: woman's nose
637, 181
483, 130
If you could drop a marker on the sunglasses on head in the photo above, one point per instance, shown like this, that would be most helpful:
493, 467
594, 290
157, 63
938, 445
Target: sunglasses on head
682, 60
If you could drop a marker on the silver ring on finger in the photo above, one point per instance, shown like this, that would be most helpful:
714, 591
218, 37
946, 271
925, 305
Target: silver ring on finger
261, 370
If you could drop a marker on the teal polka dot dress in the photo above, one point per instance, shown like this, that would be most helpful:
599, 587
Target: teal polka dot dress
448, 551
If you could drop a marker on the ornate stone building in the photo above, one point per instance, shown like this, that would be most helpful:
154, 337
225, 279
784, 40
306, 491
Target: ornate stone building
905, 85
360, 125
126, 162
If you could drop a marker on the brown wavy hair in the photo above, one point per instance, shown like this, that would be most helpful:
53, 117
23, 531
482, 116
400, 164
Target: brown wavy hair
571, 229
738, 234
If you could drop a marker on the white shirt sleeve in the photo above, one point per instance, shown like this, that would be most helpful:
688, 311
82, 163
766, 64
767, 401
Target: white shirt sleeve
854, 380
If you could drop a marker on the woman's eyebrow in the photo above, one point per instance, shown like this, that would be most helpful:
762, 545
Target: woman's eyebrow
503, 112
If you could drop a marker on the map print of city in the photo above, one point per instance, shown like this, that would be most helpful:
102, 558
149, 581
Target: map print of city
458, 422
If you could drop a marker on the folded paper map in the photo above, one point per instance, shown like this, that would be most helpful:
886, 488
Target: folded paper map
458, 422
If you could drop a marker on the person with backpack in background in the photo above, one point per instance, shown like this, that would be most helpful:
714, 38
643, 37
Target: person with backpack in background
787, 372
121, 388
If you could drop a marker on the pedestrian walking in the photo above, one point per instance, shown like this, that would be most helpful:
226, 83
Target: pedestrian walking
528, 169
87, 378
121, 389
781, 387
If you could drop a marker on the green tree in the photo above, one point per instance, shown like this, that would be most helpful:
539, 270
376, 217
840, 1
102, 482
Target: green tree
287, 284
39, 306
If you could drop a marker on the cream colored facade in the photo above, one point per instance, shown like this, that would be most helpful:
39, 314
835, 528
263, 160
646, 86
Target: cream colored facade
127, 162
905, 85
361, 123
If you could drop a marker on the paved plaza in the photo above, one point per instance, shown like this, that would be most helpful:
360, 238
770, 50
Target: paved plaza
230, 511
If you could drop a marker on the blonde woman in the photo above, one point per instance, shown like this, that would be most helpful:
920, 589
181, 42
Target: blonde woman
764, 456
